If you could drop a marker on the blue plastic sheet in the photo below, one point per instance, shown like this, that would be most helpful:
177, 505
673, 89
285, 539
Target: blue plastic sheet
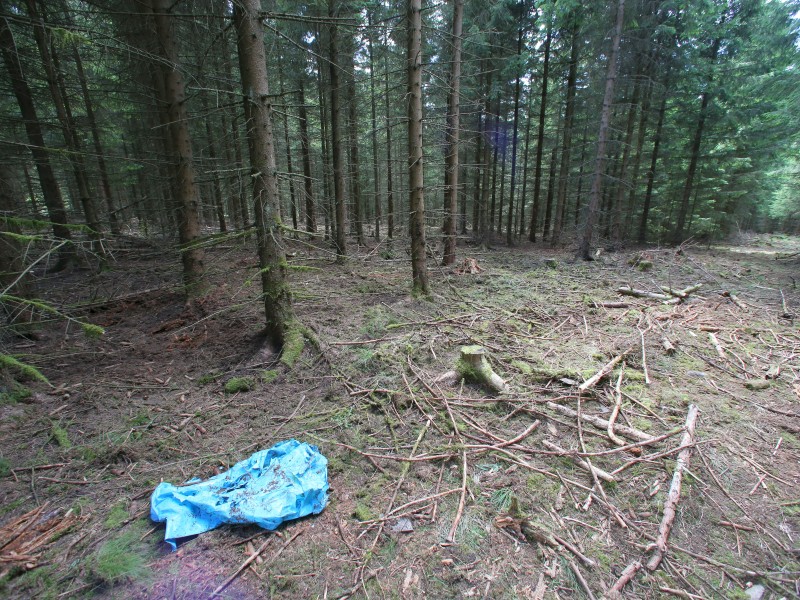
288, 481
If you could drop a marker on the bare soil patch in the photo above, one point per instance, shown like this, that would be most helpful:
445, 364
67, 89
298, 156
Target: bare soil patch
437, 490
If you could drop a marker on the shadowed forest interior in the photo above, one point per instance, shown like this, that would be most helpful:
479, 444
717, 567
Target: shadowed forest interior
525, 272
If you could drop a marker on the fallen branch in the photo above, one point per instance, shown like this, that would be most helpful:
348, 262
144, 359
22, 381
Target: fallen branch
615, 591
602, 423
629, 291
734, 299
605, 476
674, 495
717, 345
668, 346
605, 370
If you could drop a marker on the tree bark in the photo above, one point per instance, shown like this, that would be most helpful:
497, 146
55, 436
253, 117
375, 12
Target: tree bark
694, 154
595, 193
308, 188
451, 170
340, 237
64, 114
374, 133
105, 184
352, 133
415, 173
212, 155
389, 184
569, 117
287, 143
187, 201
47, 179
651, 173
537, 183
510, 223
272, 261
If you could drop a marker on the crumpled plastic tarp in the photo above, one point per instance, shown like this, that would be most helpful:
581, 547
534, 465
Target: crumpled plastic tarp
287, 481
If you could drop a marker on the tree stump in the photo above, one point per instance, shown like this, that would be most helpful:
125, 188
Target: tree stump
473, 366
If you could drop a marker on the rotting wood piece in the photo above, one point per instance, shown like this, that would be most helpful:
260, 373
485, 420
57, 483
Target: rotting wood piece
668, 346
605, 370
670, 295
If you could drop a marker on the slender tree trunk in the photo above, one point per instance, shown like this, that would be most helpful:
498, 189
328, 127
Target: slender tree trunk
509, 225
352, 132
272, 261
11, 255
327, 169
105, 184
651, 173
287, 143
537, 184
569, 118
617, 220
374, 133
31, 191
584, 250
53, 200
183, 168
694, 153
216, 186
551, 186
64, 114
476, 198
416, 182
340, 238
504, 145
524, 197
305, 153
483, 213
389, 185
451, 170
495, 155
637, 156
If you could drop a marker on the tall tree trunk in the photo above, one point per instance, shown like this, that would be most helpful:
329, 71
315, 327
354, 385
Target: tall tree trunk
617, 219
11, 255
340, 238
64, 114
569, 118
308, 188
327, 169
537, 177
389, 185
551, 187
451, 170
53, 200
651, 173
524, 197
374, 132
216, 187
495, 154
352, 132
694, 153
638, 153
509, 225
105, 184
183, 168
416, 181
476, 197
584, 250
287, 143
272, 261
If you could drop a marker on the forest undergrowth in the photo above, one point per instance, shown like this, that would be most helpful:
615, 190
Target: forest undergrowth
555, 487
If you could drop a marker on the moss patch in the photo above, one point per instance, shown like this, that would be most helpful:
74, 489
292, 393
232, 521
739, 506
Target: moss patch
239, 384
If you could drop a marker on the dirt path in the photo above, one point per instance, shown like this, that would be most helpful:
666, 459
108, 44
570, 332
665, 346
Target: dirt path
436, 491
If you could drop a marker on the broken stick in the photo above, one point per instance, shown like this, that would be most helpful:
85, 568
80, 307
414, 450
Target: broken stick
601, 474
674, 496
601, 423
605, 370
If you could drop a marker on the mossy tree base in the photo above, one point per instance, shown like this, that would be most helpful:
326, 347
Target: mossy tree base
474, 366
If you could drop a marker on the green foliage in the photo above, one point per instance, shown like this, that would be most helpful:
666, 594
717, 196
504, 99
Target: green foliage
26, 370
293, 344
60, 435
120, 558
15, 393
116, 516
239, 384
5, 467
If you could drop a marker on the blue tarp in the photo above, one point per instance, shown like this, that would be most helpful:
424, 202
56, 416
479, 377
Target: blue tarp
288, 481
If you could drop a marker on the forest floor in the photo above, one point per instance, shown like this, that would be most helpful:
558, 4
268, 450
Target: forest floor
414, 463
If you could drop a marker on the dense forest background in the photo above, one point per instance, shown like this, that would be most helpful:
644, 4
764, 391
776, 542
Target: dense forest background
679, 119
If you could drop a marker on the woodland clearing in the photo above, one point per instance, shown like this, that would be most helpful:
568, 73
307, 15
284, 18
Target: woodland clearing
437, 490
